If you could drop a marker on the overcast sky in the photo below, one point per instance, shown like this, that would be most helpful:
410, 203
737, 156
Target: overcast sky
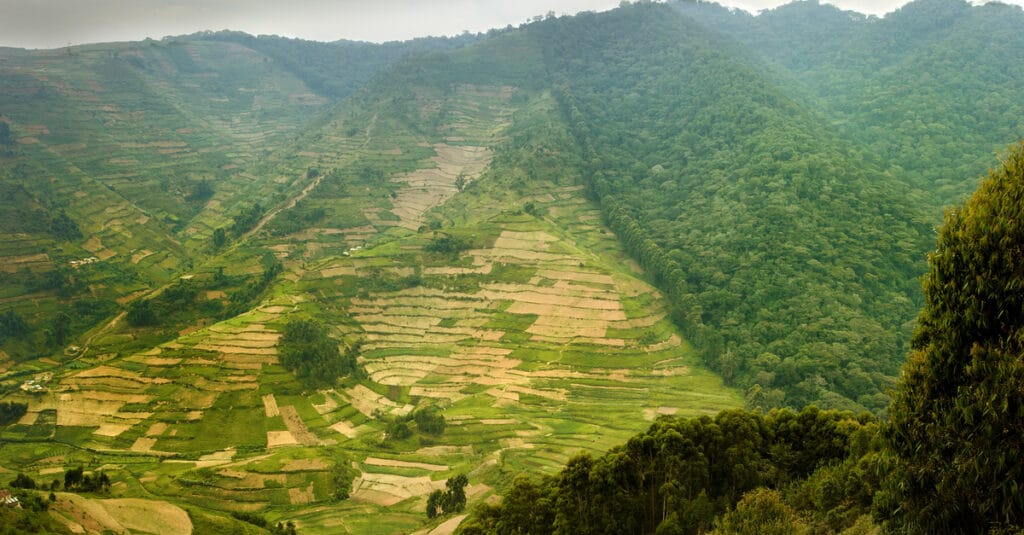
57, 23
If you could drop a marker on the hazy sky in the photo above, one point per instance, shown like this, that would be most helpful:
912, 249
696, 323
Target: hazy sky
57, 23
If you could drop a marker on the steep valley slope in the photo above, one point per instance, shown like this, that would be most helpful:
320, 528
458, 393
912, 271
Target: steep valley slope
552, 235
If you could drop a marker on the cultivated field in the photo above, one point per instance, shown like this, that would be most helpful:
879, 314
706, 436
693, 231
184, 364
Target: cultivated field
536, 339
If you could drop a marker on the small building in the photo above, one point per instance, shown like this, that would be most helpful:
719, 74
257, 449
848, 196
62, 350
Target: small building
9, 500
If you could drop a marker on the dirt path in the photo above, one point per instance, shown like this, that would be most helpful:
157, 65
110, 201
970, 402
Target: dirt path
284, 206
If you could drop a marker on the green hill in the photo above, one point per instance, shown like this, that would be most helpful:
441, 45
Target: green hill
549, 236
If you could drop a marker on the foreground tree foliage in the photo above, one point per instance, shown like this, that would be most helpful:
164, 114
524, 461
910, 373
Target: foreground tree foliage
955, 436
683, 473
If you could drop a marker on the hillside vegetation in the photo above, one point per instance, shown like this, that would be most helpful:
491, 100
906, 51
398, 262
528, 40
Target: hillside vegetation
942, 463
259, 280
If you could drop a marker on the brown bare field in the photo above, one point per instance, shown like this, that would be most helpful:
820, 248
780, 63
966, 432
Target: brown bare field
105, 371
229, 384
161, 361
223, 328
437, 451
566, 312
502, 394
252, 336
243, 343
12, 264
366, 401
270, 406
651, 414
515, 443
305, 465
592, 299
93, 244
345, 428
427, 188
299, 496
113, 383
376, 461
280, 438
641, 322
561, 329
140, 255
29, 418
110, 396
672, 342
401, 322
156, 429
387, 489
451, 392
143, 444
108, 429
196, 399
522, 255
246, 362
220, 348
449, 526
122, 515
297, 427
75, 410
220, 457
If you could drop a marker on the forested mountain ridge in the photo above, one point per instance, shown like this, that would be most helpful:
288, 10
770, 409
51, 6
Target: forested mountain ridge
250, 217
942, 462
756, 207
925, 92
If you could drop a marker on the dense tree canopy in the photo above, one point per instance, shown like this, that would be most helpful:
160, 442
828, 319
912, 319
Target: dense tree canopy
790, 260
314, 357
683, 473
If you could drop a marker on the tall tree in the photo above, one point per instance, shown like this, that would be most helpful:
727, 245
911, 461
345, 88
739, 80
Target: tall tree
954, 435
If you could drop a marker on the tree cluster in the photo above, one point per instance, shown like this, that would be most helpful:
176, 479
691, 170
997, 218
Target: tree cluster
450, 500
77, 480
11, 411
447, 244
683, 474
313, 356
247, 219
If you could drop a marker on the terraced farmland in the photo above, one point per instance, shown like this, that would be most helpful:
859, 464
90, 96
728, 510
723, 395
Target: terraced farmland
513, 312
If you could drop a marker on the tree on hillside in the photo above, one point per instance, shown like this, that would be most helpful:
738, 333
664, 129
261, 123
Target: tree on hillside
6, 139
430, 420
450, 500
954, 438
307, 350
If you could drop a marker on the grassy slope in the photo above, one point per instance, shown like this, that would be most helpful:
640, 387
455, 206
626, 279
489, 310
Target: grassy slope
119, 137
539, 341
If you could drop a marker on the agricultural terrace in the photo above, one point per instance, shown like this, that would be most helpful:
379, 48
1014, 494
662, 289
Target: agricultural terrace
530, 330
